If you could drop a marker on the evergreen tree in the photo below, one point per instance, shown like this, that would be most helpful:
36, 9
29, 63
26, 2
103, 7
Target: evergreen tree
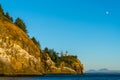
7, 15
19, 22
46, 50
35, 41
1, 10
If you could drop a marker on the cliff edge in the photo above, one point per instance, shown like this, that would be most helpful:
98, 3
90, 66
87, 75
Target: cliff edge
19, 55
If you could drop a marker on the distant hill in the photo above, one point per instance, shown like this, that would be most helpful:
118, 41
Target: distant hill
103, 70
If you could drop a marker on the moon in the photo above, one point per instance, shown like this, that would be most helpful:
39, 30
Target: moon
107, 12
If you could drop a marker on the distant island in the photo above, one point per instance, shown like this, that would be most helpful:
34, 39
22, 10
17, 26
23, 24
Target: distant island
22, 55
103, 70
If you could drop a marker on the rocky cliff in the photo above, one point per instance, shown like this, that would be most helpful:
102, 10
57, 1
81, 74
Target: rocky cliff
19, 55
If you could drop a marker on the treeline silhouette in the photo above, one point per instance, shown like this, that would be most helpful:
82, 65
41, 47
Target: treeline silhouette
59, 57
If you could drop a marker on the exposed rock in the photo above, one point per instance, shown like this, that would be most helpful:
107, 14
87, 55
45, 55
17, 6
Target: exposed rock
20, 56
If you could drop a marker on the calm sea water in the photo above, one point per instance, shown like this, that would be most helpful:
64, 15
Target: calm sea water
68, 77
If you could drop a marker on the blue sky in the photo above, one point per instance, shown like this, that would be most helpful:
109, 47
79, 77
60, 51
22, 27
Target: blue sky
89, 29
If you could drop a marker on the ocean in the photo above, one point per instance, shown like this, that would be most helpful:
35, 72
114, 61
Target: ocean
67, 77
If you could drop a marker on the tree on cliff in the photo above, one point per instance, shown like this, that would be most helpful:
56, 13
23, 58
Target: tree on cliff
8, 16
19, 22
46, 50
1, 10
35, 41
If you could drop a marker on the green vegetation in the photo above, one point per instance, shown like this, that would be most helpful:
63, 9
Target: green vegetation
35, 41
33, 59
1, 10
8, 16
53, 54
69, 59
19, 22
55, 57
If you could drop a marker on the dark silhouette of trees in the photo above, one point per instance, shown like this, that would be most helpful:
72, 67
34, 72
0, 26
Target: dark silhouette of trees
46, 50
35, 41
8, 16
19, 22
59, 58
1, 9
53, 54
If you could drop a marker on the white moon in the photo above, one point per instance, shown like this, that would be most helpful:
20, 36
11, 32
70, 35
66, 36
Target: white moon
107, 12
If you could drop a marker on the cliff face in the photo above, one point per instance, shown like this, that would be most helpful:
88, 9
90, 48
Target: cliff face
18, 53
20, 56
69, 66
